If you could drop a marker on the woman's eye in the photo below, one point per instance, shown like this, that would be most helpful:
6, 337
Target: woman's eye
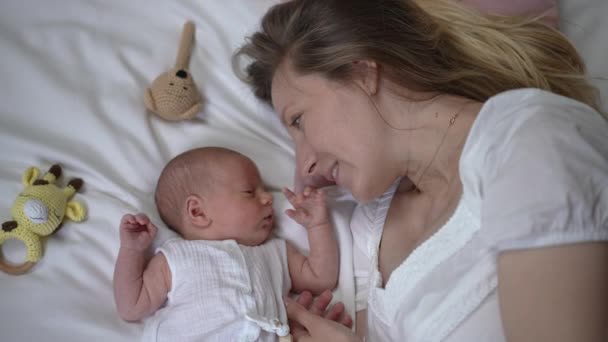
295, 122
249, 192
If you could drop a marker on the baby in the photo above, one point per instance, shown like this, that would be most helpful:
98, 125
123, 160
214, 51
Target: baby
225, 278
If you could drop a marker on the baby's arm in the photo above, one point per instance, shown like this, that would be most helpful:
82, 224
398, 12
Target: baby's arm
318, 271
139, 289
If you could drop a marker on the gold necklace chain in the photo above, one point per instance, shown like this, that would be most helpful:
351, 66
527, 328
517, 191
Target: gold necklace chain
450, 124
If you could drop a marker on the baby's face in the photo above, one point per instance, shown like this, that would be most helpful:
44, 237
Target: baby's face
239, 205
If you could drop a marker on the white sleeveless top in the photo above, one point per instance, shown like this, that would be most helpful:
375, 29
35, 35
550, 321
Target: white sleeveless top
534, 171
222, 291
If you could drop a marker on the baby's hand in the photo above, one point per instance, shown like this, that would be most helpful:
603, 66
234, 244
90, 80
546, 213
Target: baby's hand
136, 232
309, 207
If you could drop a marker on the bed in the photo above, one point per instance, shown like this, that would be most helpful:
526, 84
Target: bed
73, 74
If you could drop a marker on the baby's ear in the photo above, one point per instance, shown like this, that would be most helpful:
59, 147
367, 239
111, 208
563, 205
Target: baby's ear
196, 211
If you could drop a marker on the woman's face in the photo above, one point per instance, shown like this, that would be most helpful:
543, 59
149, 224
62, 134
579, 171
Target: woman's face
337, 133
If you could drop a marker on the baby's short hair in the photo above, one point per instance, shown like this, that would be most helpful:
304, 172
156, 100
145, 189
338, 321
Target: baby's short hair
190, 172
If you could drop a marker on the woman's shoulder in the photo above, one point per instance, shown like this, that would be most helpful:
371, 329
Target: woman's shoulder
516, 108
527, 116
538, 166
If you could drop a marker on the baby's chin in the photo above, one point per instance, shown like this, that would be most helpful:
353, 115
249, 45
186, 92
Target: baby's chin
253, 242
259, 238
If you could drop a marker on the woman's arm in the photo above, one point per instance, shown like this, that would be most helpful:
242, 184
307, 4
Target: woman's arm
555, 294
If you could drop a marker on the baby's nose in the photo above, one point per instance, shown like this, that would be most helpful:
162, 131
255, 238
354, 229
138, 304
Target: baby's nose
267, 198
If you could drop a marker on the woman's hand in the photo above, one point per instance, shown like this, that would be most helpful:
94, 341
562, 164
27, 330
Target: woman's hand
310, 321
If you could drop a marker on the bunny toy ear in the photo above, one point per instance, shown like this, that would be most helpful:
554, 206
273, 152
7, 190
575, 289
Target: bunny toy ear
185, 46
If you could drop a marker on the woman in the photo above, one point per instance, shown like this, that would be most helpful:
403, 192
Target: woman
477, 151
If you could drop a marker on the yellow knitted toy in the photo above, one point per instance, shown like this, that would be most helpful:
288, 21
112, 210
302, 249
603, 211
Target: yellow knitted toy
38, 211
173, 95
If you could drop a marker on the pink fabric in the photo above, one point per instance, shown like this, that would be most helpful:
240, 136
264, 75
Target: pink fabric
517, 7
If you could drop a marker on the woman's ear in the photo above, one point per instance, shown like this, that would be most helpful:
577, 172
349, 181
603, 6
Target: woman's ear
366, 72
196, 212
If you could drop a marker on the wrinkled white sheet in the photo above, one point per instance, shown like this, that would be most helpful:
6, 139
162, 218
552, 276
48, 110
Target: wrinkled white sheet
73, 75
72, 78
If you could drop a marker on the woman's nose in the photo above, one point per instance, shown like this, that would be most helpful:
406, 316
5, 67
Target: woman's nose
306, 161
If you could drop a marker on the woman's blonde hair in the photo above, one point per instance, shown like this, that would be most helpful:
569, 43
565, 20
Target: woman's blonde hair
433, 45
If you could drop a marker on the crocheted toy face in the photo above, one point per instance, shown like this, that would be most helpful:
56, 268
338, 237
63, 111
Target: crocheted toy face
42, 205
173, 95
38, 211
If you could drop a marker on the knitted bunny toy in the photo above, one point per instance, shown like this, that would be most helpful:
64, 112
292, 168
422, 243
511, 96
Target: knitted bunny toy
174, 95
38, 211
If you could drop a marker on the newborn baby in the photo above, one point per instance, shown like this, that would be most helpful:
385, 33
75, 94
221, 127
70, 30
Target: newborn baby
225, 278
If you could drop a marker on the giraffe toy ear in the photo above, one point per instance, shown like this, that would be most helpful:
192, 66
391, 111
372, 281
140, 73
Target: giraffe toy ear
30, 176
75, 211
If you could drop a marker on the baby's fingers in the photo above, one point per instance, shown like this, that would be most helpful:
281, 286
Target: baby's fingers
319, 195
299, 215
290, 195
127, 219
142, 219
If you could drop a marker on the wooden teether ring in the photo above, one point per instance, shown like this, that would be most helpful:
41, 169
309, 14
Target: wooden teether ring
16, 269
12, 268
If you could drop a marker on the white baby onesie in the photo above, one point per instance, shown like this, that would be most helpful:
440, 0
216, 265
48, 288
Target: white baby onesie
222, 291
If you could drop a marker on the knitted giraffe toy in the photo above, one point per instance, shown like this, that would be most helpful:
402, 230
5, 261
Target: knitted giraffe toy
38, 211
174, 95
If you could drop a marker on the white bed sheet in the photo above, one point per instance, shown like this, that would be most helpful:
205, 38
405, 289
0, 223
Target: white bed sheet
73, 79
73, 74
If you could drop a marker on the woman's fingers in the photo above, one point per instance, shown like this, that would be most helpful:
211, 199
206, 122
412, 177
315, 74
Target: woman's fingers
338, 313
321, 303
305, 299
298, 313
346, 320
335, 313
